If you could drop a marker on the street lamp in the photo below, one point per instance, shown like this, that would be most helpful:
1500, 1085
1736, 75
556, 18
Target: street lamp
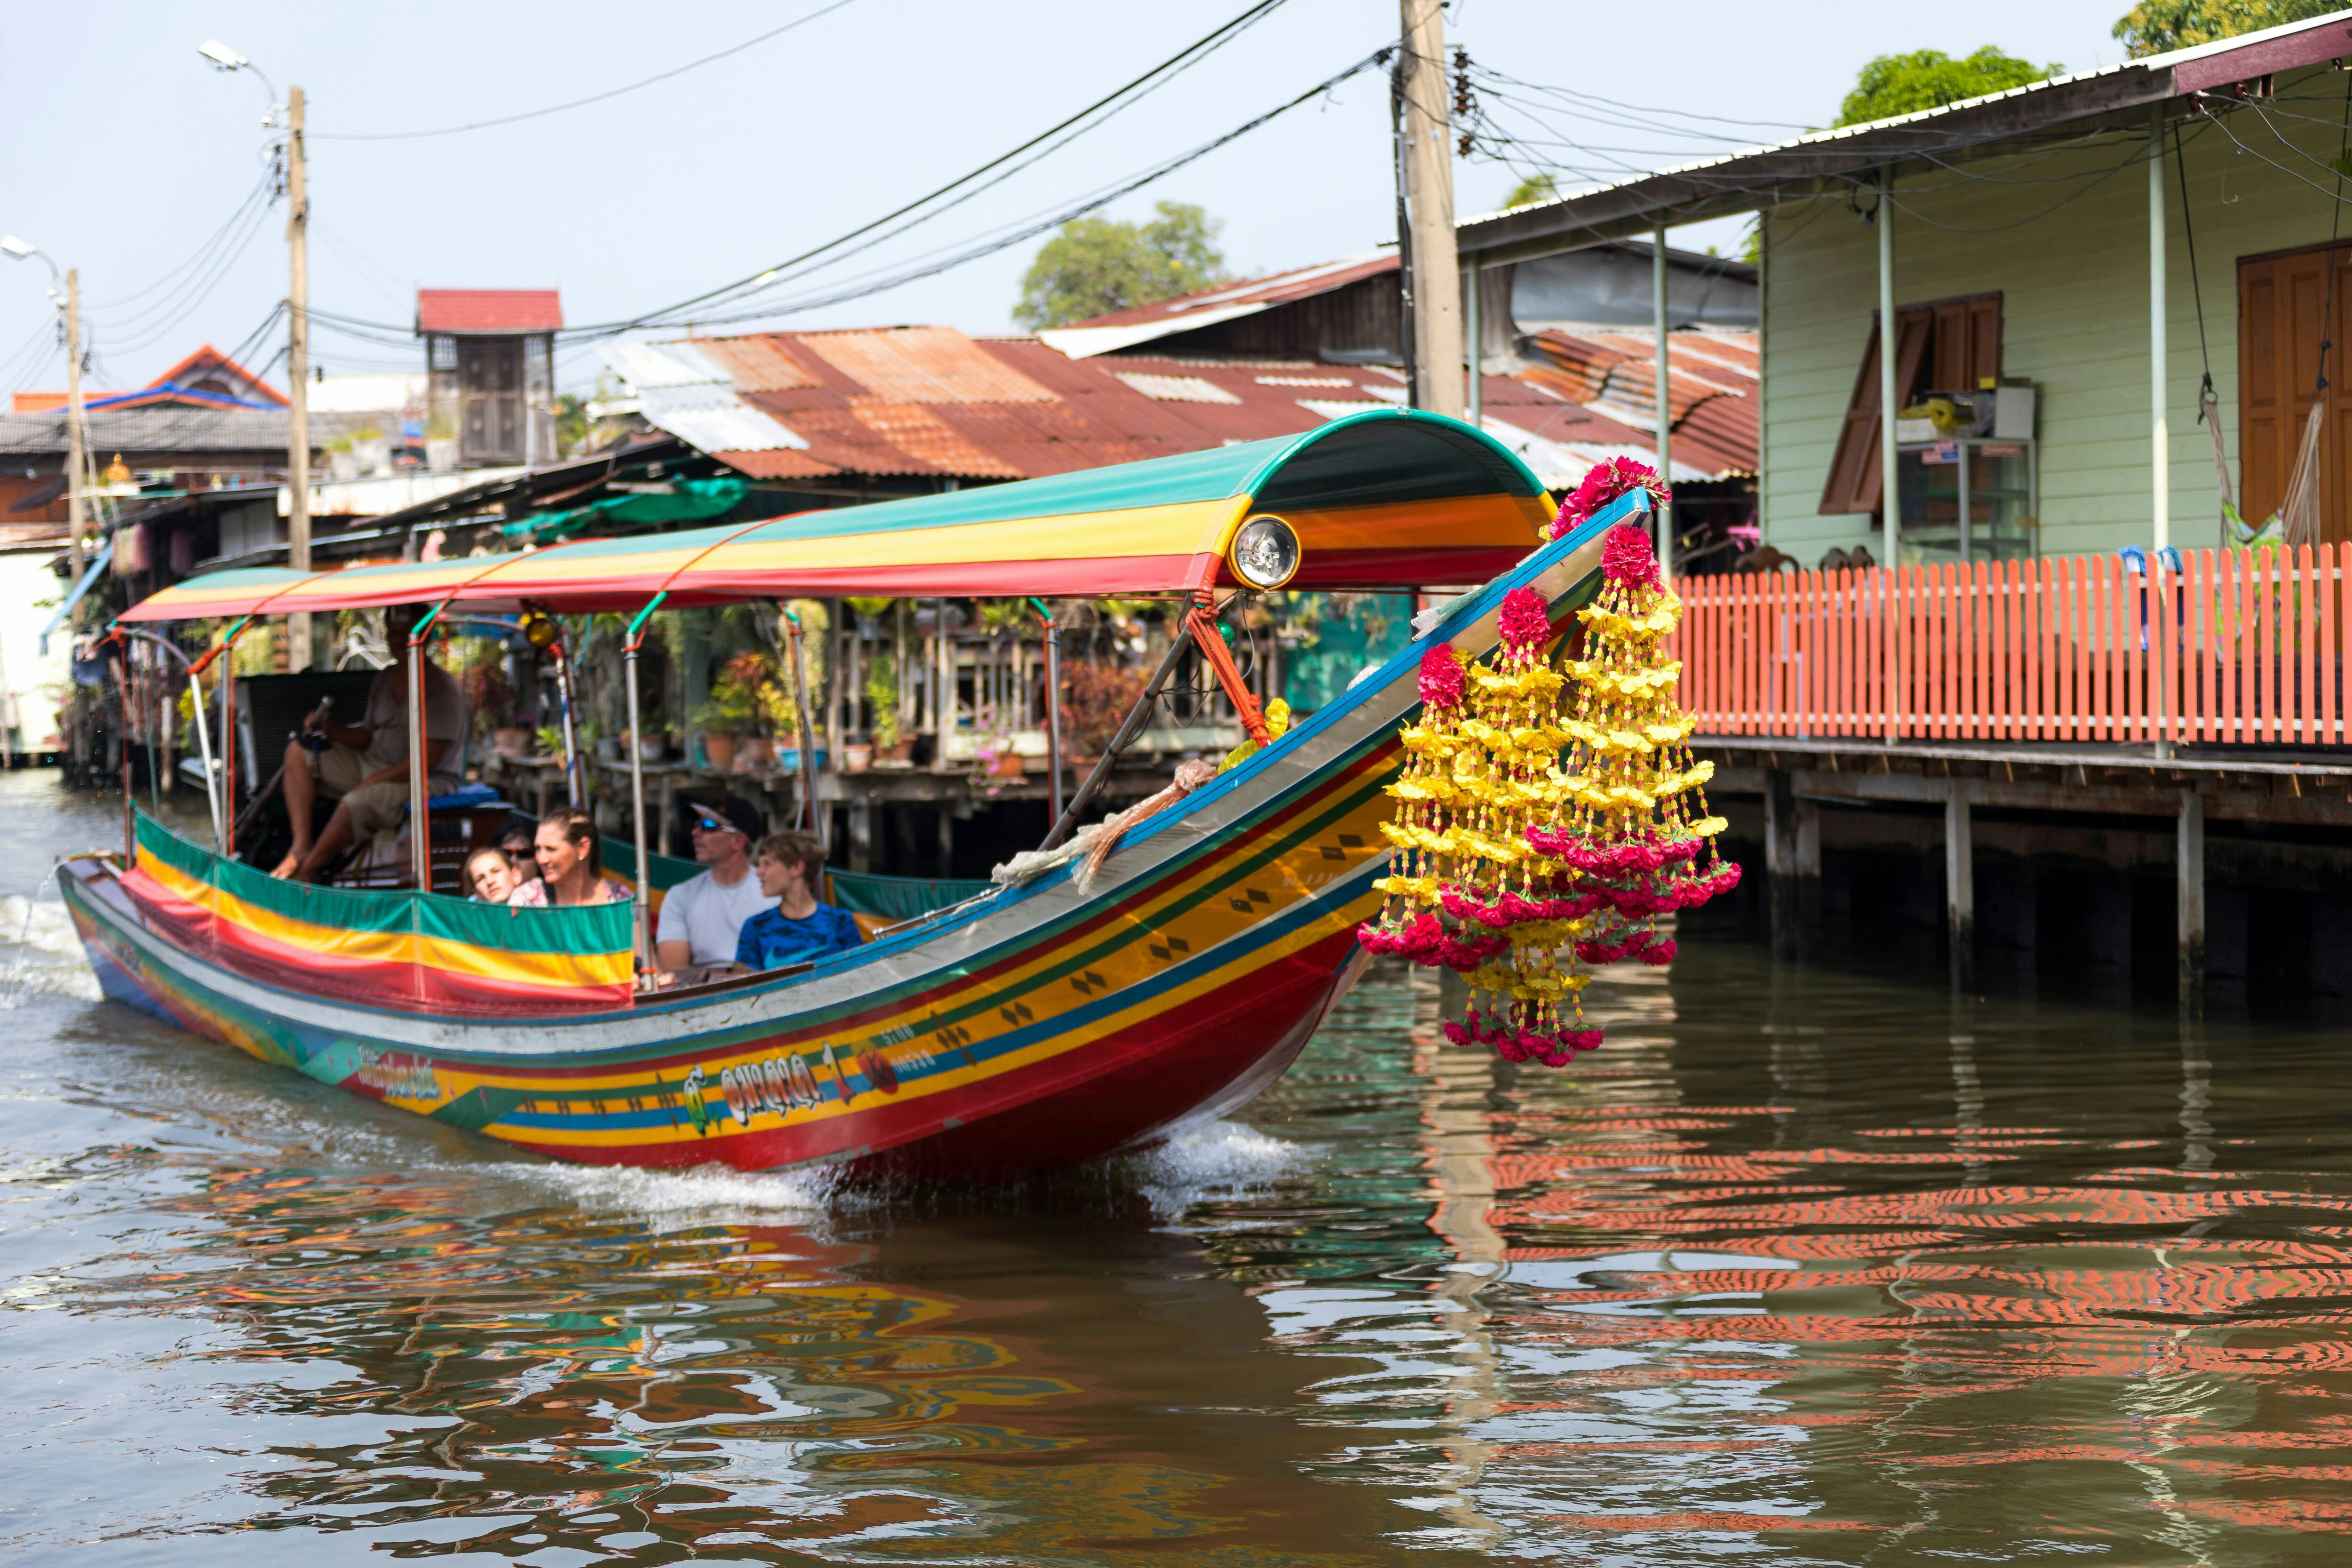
76, 431
224, 59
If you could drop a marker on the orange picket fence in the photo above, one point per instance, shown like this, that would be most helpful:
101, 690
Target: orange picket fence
2238, 647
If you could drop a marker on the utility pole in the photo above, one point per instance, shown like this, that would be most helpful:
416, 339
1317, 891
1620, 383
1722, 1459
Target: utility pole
77, 506
1428, 175
299, 652
76, 436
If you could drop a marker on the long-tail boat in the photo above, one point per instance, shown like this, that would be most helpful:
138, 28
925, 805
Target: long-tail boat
1034, 1025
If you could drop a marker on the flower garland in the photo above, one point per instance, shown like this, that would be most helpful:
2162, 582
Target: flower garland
1603, 483
1524, 842
1635, 834
1466, 891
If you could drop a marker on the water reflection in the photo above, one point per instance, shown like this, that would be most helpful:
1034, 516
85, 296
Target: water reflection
1810, 1265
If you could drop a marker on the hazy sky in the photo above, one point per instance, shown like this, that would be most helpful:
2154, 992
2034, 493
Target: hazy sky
126, 150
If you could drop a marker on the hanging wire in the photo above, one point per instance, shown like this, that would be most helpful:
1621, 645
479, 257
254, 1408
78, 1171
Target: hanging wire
2205, 394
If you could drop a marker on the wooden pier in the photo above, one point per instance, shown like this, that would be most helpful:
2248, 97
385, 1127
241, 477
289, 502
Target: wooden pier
2029, 717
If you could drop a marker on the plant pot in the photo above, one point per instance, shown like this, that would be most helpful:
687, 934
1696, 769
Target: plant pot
755, 754
857, 759
652, 748
608, 748
719, 751
1008, 766
898, 755
510, 742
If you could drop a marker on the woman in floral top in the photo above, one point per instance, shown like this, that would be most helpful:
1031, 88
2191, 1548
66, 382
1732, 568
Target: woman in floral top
570, 866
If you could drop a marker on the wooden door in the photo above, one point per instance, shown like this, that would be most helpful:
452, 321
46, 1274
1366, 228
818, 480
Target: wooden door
2284, 314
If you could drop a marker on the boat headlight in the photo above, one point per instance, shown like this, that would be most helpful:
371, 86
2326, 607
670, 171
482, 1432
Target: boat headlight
539, 631
1264, 553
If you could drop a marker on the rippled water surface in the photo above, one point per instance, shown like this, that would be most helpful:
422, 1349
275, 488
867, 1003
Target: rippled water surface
1808, 1266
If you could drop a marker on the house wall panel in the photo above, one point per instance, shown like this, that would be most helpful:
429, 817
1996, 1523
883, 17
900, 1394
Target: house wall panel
2062, 236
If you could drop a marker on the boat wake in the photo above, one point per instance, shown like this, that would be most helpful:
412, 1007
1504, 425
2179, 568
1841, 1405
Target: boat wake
709, 1192
40, 955
1214, 1160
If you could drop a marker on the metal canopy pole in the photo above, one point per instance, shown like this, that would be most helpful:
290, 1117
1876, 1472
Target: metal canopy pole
1053, 709
573, 783
1663, 410
809, 817
420, 820
630, 642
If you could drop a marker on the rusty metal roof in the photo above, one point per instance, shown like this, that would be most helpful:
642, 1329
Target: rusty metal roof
488, 311
930, 401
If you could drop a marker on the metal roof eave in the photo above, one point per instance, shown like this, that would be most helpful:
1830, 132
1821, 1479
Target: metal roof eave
1750, 179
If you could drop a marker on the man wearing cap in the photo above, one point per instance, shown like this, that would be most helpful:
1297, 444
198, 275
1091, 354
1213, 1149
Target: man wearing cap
702, 918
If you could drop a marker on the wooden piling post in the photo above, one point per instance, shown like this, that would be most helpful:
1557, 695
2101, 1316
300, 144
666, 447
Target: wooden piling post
1781, 858
2190, 874
1807, 862
1959, 877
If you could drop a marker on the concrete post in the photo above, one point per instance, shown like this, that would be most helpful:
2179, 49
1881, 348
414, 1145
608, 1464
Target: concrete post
1781, 859
2190, 873
861, 835
947, 839
1959, 876
1807, 866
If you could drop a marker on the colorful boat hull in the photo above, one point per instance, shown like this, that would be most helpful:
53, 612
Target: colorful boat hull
1036, 1026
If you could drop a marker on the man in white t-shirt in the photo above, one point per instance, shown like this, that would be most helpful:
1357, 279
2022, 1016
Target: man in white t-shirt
702, 918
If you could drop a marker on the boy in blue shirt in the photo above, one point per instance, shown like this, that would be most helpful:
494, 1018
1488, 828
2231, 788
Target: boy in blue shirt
798, 928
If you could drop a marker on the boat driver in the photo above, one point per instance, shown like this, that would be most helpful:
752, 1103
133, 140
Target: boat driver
363, 768
796, 928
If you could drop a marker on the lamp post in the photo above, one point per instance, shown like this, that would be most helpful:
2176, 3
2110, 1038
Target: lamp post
77, 429
297, 330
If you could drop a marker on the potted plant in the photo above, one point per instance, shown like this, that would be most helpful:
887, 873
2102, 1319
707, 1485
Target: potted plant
549, 740
1095, 700
890, 743
868, 611
730, 714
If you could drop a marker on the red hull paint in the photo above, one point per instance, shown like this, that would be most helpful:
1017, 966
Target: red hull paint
1070, 1107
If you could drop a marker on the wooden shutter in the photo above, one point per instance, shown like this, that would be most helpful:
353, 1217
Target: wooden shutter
2282, 318
1854, 477
1966, 346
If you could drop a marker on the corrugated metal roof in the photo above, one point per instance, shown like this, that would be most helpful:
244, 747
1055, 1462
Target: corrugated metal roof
154, 427
1149, 323
941, 404
923, 365
488, 311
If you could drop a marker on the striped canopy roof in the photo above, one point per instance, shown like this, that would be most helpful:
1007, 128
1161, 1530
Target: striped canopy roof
1387, 499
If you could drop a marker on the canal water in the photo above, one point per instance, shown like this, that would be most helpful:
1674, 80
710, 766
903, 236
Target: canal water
1814, 1264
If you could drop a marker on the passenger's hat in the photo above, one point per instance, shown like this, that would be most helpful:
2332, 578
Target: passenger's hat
731, 811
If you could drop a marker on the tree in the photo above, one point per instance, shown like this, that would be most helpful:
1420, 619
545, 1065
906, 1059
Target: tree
2152, 26
1093, 265
1929, 79
1534, 188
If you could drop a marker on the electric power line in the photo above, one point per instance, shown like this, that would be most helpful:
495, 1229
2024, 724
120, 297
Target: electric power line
593, 97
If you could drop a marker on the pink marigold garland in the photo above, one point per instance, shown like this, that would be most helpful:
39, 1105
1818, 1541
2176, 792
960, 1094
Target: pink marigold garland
1603, 483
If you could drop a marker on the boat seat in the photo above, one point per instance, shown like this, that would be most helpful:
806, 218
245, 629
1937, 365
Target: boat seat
457, 832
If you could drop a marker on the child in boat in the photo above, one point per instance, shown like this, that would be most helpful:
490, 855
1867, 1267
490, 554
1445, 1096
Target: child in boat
491, 874
520, 854
799, 928
571, 866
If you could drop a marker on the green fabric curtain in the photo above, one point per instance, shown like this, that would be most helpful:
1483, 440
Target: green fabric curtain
1346, 632
899, 897
693, 500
